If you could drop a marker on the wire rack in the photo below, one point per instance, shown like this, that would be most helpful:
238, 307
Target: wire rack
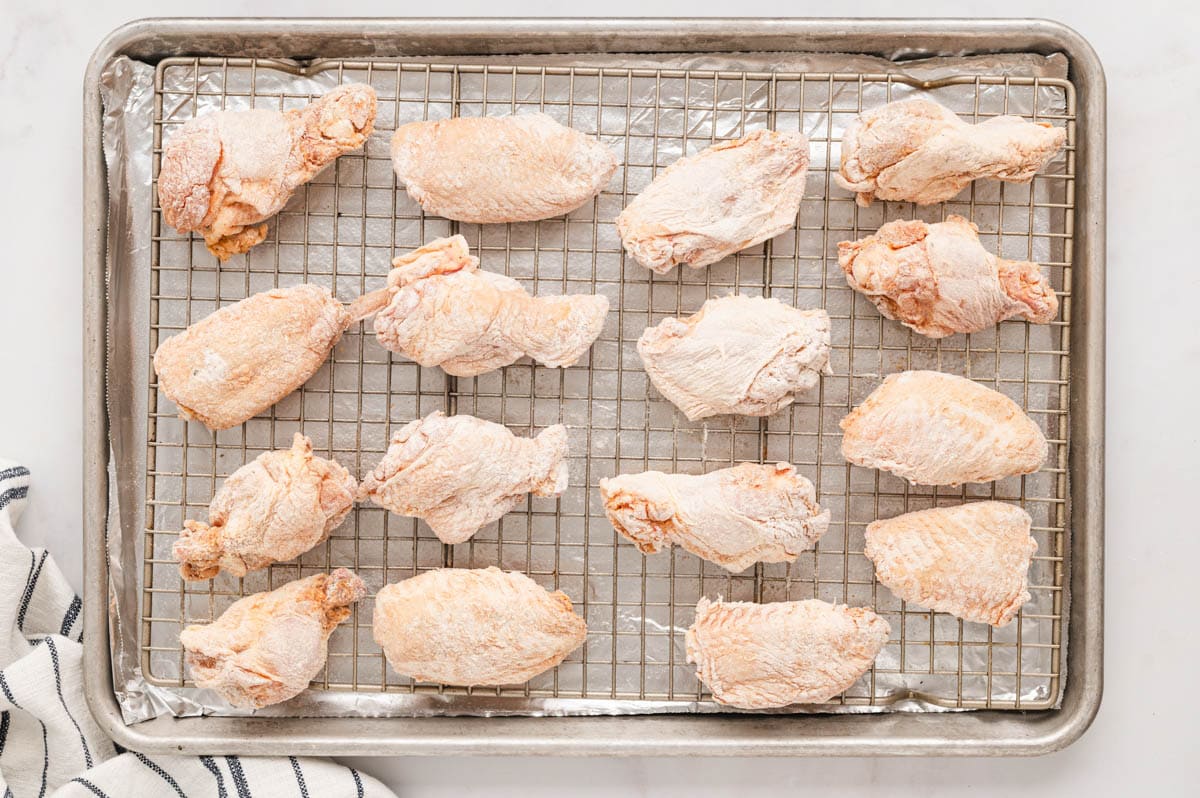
343, 229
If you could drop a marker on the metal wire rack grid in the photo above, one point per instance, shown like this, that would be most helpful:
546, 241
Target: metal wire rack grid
342, 230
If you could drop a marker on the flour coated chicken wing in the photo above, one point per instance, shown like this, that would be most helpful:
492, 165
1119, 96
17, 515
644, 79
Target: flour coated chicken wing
474, 627
239, 361
733, 517
440, 309
938, 280
273, 509
225, 173
460, 473
971, 561
939, 429
268, 647
490, 170
738, 355
919, 151
726, 198
764, 656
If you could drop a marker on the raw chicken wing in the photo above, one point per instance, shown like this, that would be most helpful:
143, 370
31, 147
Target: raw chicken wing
971, 561
474, 627
733, 517
937, 279
247, 356
441, 310
939, 429
491, 170
268, 647
761, 656
743, 355
731, 196
271, 510
918, 151
227, 172
460, 472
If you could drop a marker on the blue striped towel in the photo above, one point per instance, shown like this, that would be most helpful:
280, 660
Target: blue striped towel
48, 740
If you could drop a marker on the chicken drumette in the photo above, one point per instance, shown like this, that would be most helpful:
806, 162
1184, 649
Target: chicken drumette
733, 517
460, 472
918, 151
439, 309
271, 510
225, 173
267, 647
937, 279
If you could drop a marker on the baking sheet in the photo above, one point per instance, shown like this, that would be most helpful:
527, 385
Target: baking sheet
342, 232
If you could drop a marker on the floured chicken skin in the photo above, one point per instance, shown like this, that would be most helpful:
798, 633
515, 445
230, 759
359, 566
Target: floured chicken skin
439, 309
763, 656
938, 429
239, 361
919, 151
474, 627
971, 561
733, 517
268, 647
460, 473
270, 510
491, 170
731, 196
742, 355
938, 280
224, 174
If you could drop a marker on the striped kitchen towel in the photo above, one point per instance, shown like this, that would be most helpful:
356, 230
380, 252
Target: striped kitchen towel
49, 743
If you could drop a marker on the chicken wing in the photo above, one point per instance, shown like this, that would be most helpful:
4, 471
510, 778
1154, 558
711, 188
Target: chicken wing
271, 510
247, 356
743, 355
268, 647
733, 517
918, 151
460, 472
761, 656
971, 561
731, 196
938, 280
225, 173
474, 627
492, 170
939, 429
441, 310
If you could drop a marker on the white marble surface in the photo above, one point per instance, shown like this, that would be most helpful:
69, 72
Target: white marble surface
1143, 739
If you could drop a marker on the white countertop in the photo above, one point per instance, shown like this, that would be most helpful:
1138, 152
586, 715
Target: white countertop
1143, 739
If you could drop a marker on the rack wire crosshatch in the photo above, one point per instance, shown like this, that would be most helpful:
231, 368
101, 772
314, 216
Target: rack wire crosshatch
342, 230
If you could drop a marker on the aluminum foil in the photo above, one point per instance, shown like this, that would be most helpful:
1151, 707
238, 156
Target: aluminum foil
646, 635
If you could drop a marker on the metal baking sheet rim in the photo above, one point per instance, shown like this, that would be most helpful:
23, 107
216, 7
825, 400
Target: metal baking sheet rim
977, 733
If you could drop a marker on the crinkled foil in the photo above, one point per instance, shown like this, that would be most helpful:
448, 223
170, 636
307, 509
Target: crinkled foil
128, 90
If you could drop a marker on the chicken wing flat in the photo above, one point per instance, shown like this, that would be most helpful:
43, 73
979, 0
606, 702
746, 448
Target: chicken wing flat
441, 310
270, 510
971, 561
733, 517
731, 196
225, 173
474, 627
743, 355
460, 472
939, 429
268, 647
762, 656
918, 151
492, 170
938, 280
244, 358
